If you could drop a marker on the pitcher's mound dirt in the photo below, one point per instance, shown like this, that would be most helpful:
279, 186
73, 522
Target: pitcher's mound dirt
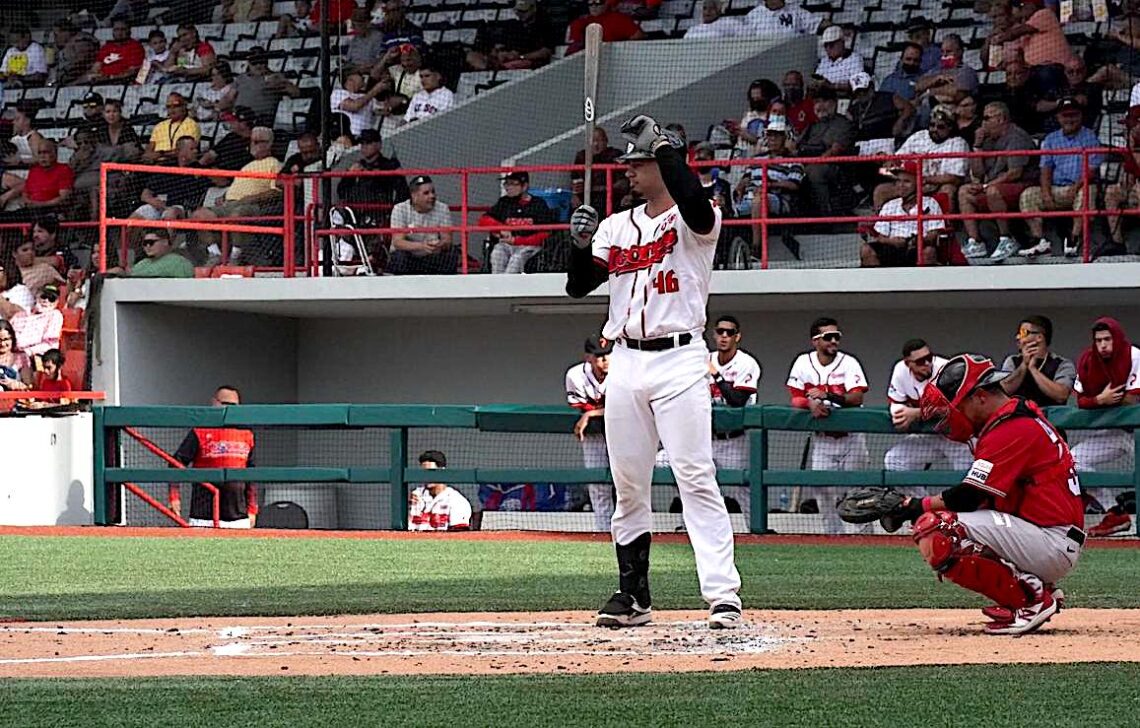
562, 642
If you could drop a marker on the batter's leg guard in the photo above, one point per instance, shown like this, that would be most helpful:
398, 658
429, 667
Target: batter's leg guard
633, 568
943, 542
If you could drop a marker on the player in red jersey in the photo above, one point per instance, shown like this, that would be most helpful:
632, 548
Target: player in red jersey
1013, 527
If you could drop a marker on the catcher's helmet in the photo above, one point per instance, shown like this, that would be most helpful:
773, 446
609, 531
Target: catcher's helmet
956, 381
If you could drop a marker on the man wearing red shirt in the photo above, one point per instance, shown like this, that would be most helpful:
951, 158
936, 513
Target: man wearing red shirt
120, 58
49, 183
615, 26
1012, 528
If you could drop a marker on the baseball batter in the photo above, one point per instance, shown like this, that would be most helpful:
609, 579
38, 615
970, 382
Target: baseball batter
586, 392
1012, 528
658, 259
909, 379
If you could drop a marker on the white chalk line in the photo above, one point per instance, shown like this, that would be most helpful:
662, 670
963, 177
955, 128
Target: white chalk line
97, 658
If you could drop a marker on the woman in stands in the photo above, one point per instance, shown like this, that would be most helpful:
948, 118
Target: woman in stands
26, 139
221, 87
14, 295
15, 374
34, 273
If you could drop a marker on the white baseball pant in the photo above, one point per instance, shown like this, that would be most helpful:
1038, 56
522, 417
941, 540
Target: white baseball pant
594, 455
848, 452
1046, 553
1104, 450
915, 452
662, 396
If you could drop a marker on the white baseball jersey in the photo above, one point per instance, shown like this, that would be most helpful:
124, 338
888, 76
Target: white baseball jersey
659, 273
584, 391
1130, 386
742, 371
905, 387
448, 510
843, 375
788, 20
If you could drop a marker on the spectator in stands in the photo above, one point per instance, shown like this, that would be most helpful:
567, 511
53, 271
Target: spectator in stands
941, 174
191, 58
525, 41
38, 330
173, 197
15, 370
1021, 94
603, 154
210, 101
26, 139
1126, 191
951, 78
715, 24
11, 184
831, 135
785, 181
307, 158
616, 26
716, 188
24, 63
909, 380
838, 63
391, 107
14, 295
967, 120
248, 11
50, 379
382, 190
749, 133
903, 81
49, 249
1062, 179
157, 55
777, 18
1124, 69
118, 139
1039, 375
920, 31
120, 58
422, 253
135, 11
74, 52
1042, 41
402, 78
514, 245
168, 131
35, 273
233, 151
245, 197
801, 107
259, 89
354, 102
433, 98
289, 27
92, 120
161, 260
367, 45
1077, 86
872, 112
996, 182
896, 243
49, 185
396, 27
437, 506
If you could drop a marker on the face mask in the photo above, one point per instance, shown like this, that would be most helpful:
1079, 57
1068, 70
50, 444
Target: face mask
793, 94
949, 62
777, 117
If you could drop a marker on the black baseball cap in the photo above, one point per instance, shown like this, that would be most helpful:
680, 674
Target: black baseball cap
919, 22
598, 346
93, 99
517, 176
420, 179
1068, 103
369, 136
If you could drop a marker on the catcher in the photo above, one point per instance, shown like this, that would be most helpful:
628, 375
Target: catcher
1012, 528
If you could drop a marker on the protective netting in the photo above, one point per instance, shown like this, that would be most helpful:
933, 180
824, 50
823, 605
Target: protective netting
484, 84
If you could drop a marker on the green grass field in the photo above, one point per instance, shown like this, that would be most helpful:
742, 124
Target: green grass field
44, 578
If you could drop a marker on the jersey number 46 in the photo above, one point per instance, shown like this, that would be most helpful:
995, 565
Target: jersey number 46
666, 282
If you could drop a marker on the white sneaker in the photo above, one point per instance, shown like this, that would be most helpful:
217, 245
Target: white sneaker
1072, 249
1028, 618
725, 616
1043, 247
1006, 247
974, 249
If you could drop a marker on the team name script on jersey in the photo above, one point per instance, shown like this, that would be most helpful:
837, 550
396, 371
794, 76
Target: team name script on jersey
641, 257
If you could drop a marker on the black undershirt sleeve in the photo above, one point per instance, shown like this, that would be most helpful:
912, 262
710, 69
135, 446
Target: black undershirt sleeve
733, 397
685, 188
963, 498
187, 452
585, 272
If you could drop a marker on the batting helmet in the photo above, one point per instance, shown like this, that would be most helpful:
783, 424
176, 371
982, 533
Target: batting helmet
956, 381
632, 151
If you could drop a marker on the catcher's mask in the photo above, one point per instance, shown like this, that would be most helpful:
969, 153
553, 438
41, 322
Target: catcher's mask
958, 379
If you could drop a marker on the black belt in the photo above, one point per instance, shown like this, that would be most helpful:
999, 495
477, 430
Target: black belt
1076, 535
728, 435
663, 344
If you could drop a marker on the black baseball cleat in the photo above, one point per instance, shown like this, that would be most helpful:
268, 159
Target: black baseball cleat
622, 610
725, 616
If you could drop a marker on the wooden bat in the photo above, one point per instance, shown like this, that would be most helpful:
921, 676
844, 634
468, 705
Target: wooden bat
590, 102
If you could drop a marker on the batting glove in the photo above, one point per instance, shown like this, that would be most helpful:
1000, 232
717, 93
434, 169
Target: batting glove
583, 225
643, 132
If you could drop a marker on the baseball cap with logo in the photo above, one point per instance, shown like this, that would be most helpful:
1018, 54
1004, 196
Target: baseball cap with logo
860, 80
517, 176
93, 99
907, 167
420, 179
597, 346
832, 34
943, 112
1068, 103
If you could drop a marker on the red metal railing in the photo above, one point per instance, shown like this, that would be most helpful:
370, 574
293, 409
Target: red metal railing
313, 212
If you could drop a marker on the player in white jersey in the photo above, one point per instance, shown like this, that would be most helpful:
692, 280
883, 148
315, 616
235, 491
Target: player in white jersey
909, 378
735, 376
437, 506
822, 380
586, 392
658, 259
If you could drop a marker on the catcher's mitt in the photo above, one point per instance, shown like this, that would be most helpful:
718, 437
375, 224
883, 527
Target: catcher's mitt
867, 504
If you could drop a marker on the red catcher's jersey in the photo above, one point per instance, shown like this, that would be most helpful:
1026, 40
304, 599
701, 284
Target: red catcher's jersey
1023, 462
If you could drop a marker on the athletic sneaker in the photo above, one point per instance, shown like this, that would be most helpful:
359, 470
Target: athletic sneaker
725, 616
1072, 248
1006, 247
974, 249
1004, 615
1111, 523
1043, 247
1027, 619
622, 610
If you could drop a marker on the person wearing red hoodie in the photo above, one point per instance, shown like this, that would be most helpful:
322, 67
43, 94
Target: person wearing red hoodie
511, 249
1108, 375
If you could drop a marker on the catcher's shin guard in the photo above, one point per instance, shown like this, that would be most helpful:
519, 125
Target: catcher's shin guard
633, 568
943, 542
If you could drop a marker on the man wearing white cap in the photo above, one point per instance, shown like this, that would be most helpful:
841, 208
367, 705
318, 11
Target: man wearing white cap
714, 24
873, 114
838, 64
777, 17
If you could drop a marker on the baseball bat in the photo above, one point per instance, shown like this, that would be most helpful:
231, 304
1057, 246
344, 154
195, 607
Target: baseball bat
593, 51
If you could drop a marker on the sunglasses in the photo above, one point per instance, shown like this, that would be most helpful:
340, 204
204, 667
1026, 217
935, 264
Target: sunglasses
922, 361
147, 242
49, 297
727, 332
830, 336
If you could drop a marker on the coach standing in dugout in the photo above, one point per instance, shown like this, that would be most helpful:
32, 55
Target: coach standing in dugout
219, 447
